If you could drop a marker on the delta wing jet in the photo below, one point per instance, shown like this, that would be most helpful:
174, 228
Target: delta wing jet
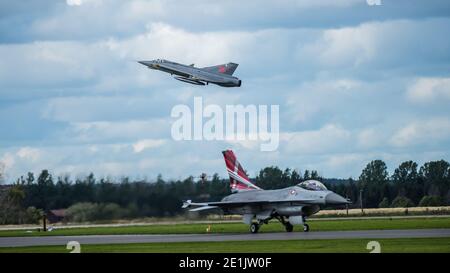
220, 74
291, 206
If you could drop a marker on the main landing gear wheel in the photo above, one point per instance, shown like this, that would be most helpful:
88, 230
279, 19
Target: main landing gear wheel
289, 227
305, 227
254, 227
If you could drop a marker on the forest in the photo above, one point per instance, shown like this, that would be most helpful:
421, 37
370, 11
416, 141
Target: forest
92, 199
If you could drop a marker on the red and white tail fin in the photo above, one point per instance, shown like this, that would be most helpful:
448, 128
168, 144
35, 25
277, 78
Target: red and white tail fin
228, 68
238, 179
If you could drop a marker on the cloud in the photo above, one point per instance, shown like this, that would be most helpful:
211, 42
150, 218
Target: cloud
328, 139
307, 100
428, 132
370, 137
56, 20
106, 108
117, 131
379, 47
46, 65
8, 160
28, 153
147, 144
83, 2
426, 90
107, 65
74, 2
344, 160
345, 46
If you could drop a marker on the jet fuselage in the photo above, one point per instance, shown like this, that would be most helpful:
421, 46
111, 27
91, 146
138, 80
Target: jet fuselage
194, 75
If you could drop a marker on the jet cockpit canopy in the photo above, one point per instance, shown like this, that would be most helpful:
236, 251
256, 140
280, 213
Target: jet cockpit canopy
312, 185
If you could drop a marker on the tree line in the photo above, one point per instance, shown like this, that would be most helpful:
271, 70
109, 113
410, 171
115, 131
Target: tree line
88, 198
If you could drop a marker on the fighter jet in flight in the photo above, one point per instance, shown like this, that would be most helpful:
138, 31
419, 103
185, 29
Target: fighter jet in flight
220, 74
289, 205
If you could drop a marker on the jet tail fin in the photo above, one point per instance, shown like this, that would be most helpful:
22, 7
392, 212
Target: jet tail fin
228, 68
238, 178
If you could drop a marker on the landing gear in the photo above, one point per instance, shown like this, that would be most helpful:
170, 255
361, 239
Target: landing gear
254, 227
289, 227
305, 227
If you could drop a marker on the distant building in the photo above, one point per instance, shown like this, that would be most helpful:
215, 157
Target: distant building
56, 215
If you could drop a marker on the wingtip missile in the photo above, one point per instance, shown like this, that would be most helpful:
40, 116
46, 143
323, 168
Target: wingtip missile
186, 204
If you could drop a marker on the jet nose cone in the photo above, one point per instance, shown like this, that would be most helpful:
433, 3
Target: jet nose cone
143, 62
335, 199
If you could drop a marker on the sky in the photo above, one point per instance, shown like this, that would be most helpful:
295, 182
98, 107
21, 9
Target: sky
354, 82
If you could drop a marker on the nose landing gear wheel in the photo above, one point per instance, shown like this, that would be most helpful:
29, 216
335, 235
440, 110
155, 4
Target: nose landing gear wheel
305, 227
254, 228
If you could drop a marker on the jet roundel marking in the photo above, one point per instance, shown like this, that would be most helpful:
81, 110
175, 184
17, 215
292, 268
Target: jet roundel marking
222, 69
293, 192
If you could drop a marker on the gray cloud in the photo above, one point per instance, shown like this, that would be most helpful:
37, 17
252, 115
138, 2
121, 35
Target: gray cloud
43, 20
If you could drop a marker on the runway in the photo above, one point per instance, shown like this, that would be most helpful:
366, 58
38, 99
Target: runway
170, 238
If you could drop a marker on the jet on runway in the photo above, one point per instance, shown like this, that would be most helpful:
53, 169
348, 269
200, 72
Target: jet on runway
220, 74
289, 205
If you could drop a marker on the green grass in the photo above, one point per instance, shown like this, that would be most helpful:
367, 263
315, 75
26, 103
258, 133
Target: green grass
404, 245
325, 225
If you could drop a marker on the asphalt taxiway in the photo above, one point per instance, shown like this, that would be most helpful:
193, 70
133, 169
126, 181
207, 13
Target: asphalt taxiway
170, 238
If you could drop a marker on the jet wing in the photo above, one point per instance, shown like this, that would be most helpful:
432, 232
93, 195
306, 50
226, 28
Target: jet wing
228, 204
243, 203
